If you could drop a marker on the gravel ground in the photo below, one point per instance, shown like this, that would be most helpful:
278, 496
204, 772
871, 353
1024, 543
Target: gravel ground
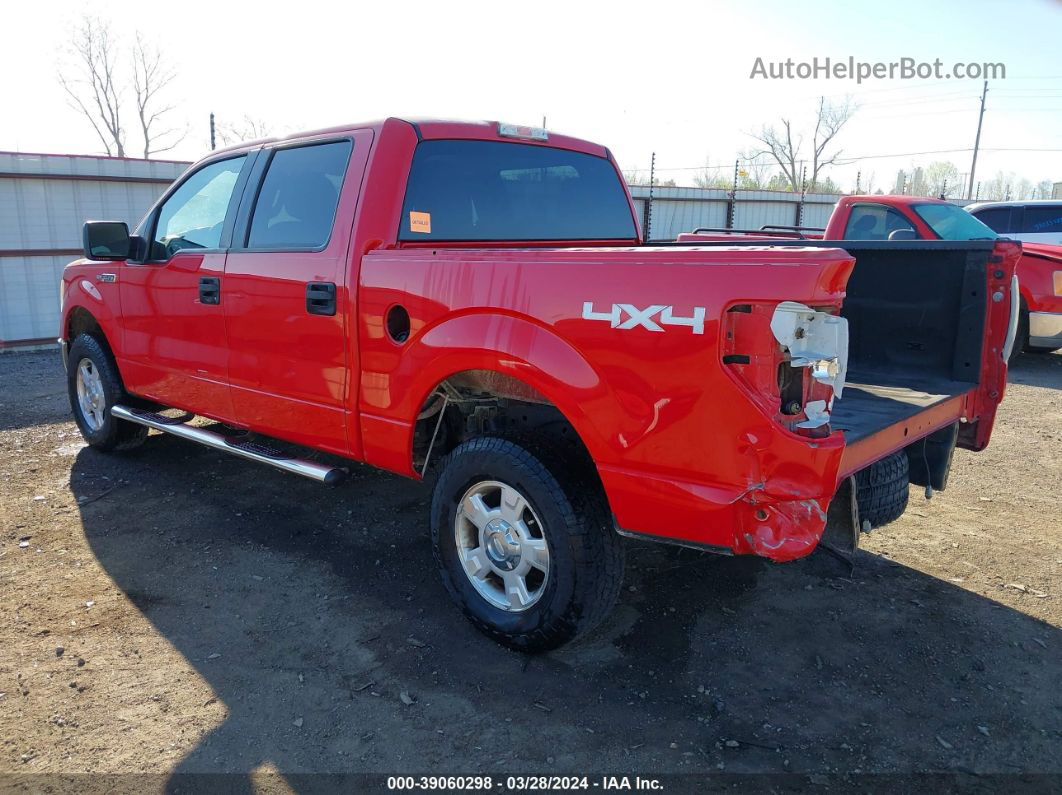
175, 610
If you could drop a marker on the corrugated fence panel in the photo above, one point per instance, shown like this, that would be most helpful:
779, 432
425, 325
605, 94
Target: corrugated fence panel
755, 214
44, 200
671, 216
678, 210
29, 297
48, 213
817, 214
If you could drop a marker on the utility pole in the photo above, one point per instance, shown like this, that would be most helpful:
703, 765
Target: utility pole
211, 132
977, 140
859, 175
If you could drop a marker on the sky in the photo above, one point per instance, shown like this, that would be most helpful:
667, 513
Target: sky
666, 77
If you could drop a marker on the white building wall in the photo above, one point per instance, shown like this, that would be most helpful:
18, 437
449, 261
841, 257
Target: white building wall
44, 201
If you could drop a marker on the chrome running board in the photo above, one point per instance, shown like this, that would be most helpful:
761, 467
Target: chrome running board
253, 451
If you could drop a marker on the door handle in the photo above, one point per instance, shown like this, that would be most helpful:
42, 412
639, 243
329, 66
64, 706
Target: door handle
209, 290
321, 298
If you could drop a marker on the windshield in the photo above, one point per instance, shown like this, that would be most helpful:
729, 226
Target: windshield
487, 190
953, 223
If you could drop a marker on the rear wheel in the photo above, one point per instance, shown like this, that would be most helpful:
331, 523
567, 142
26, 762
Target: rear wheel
1021, 337
882, 489
94, 387
525, 545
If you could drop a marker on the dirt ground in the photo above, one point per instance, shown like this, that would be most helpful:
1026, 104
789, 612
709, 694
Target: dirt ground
176, 610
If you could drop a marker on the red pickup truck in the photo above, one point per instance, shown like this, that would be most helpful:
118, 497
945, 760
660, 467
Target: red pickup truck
918, 218
473, 302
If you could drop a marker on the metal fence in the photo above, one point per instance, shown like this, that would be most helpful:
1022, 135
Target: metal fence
44, 200
676, 210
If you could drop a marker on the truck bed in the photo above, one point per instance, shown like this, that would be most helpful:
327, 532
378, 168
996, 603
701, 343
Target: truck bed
867, 408
916, 312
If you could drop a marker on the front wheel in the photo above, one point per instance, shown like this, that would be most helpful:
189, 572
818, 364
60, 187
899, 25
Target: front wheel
94, 388
525, 547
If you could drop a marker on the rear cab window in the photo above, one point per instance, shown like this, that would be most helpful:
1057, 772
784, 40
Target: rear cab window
495, 191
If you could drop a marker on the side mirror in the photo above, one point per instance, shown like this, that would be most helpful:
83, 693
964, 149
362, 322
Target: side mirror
903, 234
106, 240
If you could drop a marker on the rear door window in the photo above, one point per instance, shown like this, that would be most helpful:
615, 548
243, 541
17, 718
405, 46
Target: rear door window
874, 222
296, 205
488, 190
1042, 219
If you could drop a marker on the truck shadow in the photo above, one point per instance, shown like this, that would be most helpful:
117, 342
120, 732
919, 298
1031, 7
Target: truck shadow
32, 391
317, 616
1037, 369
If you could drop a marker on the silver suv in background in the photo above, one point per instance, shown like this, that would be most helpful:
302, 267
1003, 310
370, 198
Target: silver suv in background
1031, 221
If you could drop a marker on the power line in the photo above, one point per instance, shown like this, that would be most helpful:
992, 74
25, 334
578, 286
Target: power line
849, 160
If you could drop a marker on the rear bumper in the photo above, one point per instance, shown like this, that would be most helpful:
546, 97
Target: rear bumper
780, 517
1045, 329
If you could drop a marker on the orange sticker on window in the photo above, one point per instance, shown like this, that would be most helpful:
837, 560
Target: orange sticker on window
420, 222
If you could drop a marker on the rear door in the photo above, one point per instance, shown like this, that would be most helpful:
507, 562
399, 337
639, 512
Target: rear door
1041, 223
286, 295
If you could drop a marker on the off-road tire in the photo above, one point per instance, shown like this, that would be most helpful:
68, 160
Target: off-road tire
586, 554
882, 489
113, 434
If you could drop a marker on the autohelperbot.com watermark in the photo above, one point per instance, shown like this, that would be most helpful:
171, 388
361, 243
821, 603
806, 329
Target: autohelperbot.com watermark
851, 69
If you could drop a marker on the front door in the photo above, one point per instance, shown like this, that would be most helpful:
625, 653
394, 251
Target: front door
287, 301
173, 325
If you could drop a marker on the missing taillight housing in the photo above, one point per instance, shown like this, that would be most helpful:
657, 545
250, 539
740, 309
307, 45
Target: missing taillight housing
814, 342
789, 358
790, 389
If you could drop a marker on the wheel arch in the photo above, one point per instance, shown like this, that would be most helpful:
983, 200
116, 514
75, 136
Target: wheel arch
523, 362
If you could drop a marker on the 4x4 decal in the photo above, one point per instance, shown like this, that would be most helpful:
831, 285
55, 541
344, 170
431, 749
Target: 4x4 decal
643, 318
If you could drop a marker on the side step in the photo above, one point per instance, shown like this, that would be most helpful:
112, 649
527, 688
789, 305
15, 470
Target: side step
254, 451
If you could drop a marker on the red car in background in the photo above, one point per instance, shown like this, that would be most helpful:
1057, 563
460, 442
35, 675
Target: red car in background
919, 218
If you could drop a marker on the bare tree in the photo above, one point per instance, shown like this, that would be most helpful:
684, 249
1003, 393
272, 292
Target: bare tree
246, 129
997, 188
98, 87
151, 76
942, 179
755, 171
712, 176
787, 146
91, 84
